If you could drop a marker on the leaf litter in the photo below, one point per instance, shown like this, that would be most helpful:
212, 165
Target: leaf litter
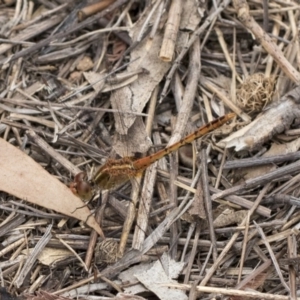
77, 81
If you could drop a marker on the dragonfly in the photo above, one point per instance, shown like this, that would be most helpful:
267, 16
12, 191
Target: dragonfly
115, 172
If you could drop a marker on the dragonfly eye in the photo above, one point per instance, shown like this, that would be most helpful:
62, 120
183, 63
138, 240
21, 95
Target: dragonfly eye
81, 187
84, 190
81, 176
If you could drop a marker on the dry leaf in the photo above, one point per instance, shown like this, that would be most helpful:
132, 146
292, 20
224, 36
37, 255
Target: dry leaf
128, 278
135, 96
156, 277
95, 79
230, 216
82, 291
281, 149
123, 296
50, 255
22, 177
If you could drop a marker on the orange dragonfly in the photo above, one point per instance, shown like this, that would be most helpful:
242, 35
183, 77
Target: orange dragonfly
115, 172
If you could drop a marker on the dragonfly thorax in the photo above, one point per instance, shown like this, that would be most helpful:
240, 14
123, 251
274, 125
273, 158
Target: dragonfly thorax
115, 172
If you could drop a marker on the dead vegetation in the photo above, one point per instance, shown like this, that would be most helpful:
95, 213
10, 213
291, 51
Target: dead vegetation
82, 81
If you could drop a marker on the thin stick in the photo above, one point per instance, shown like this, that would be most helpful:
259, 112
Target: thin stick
149, 182
208, 205
275, 262
230, 243
171, 31
193, 38
260, 180
242, 9
230, 292
189, 93
71, 30
54, 154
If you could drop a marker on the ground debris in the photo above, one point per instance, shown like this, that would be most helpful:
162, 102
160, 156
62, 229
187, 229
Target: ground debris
81, 82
